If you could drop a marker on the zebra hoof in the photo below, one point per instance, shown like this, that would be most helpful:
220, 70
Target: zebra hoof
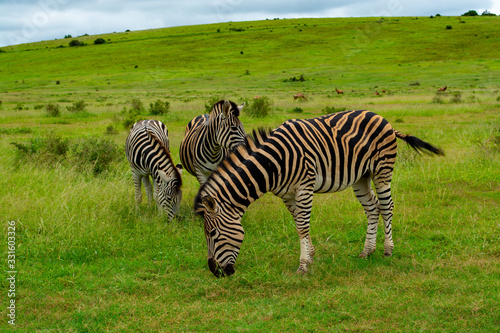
388, 254
366, 253
302, 269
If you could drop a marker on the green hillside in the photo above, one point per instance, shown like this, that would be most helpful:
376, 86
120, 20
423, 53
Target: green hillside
356, 53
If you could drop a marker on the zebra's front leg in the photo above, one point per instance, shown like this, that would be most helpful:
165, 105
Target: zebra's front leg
306, 254
137, 185
149, 188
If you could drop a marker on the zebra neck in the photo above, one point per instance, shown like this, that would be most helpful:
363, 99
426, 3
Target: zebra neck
252, 177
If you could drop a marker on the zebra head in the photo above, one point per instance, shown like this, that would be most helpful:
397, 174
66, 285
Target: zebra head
169, 192
229, 129
224, 234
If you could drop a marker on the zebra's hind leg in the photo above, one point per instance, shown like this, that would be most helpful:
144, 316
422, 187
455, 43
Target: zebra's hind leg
364, 193
148, 187
301, 214
386, 205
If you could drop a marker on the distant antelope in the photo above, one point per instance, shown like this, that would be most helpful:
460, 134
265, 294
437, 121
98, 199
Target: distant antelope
299, 95
443, 89
339, 92
257, 97
377, 93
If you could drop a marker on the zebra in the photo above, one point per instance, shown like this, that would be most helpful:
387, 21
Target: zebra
147, 150
299, 158
209, 138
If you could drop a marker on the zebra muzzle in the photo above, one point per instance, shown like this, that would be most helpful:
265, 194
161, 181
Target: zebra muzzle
219, 271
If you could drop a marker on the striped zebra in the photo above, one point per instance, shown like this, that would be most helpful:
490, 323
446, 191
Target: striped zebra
297, 159
209, 138
147, 150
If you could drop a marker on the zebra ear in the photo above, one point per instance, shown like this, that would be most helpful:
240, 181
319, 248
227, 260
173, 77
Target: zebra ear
226, 108
240, 107
209, 203
179, 168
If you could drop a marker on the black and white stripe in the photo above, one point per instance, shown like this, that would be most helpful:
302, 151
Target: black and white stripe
209, 138
297, 159
147, 150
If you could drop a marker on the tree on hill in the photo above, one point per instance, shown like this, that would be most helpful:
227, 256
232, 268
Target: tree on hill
470, 13
488, 13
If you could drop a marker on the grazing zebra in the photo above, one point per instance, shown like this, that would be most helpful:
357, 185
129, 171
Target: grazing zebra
297, 159
147, 151
209, 138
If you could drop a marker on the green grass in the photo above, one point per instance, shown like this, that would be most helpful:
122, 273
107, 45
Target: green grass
89, 261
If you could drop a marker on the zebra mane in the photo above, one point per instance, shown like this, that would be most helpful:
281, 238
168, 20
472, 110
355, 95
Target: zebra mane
232, 161
178, 176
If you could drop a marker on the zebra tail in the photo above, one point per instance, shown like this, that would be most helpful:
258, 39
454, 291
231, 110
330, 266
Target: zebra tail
419, 145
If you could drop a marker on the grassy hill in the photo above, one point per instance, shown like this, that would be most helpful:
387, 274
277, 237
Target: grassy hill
88, 260
356, 53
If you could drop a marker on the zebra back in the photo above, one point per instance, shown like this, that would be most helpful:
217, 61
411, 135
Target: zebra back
209, 138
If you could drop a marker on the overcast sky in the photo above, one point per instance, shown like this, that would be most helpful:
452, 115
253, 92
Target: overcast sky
23, 21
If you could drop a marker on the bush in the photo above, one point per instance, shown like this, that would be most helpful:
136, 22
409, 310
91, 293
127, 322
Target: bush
136, 105
52, 110
470, 13
448, 27
297, 110
99, 41
260, 107
76, 42
77, 107
95, 154
438, 100
457, 97
159, 108
51, 148
488, 13
332, 109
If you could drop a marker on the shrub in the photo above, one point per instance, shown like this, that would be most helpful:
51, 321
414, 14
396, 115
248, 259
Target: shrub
95, 154
159, 108
52, 110
260, 107
77, 107
332, 109
45, 149
297, 110
295, 79
457, 97
470, 13
76, 42
448, 27
438, 100
488, 13
136, 105
99, 41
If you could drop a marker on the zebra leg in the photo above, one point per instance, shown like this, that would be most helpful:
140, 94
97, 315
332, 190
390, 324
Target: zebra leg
137, 184
148, 187
386, 205
301, 214
364, 193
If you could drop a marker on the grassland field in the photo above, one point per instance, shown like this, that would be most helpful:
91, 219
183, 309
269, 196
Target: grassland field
88, 260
